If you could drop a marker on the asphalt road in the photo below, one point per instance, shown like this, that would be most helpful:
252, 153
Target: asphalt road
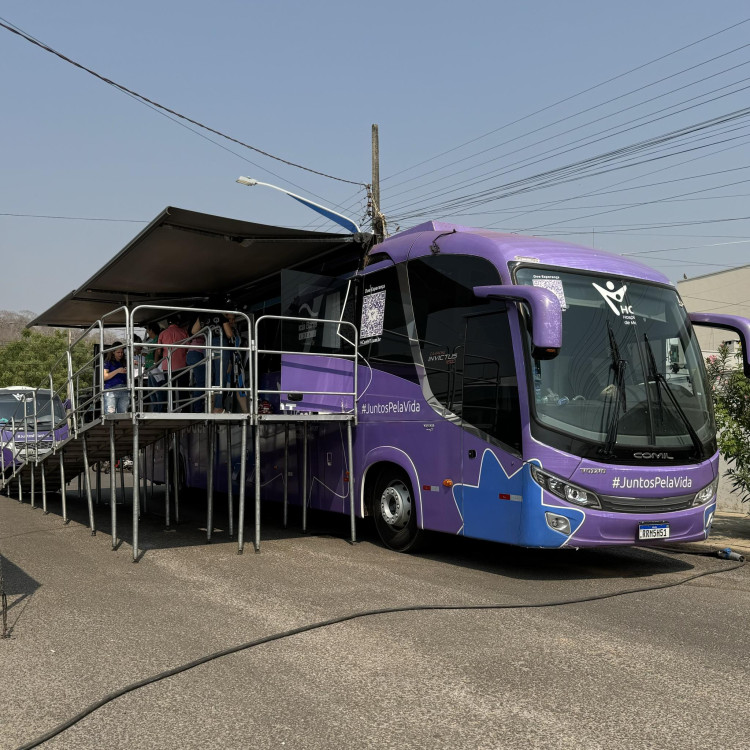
656, 669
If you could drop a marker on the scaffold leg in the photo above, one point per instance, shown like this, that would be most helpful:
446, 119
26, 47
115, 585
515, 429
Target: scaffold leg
210, 482
87, 485
136, 498
286, 473
243, 474
144, 486
176, 478
352, 515
257, 487
230, 499
304, 478
166, 481
112, 487
122, 479
44, 490
63, 489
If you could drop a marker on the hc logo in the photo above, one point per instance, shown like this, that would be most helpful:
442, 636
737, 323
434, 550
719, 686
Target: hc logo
611, 296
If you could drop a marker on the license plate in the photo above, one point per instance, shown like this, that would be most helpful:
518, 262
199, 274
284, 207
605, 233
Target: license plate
653, 531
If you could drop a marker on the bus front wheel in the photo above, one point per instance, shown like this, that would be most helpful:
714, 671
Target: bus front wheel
395, 512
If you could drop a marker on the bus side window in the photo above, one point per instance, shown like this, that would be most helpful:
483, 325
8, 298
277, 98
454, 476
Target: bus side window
465, 342
384, 340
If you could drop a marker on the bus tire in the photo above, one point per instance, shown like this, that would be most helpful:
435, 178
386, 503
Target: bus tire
394, 509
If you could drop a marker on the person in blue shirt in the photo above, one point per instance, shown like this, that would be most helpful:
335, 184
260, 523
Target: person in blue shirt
116, 396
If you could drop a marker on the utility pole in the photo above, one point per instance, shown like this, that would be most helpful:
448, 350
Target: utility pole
378, 220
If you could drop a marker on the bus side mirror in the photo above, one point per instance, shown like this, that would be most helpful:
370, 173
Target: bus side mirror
546, 314
734, 323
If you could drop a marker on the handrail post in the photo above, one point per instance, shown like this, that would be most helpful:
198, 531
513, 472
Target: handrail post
71, 394
100, 384
36, 440
52, 407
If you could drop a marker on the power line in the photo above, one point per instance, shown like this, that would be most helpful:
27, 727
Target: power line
607, 191
640, 203
75, 218
689, 247
568, 98
4, 23
575, 170
578, 114
605, 205
713, 122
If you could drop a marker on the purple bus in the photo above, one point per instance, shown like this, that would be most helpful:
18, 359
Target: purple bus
514, 389
32, 421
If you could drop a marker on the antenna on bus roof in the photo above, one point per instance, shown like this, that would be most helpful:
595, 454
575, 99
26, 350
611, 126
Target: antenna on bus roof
329, 213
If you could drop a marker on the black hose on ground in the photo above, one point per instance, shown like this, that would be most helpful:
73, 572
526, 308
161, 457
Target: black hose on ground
354, 616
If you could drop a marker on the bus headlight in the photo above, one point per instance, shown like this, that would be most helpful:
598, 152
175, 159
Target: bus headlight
565, 490
706, 493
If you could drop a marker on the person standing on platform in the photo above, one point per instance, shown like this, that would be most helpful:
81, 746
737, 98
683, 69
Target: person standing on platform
115, 373
173, 361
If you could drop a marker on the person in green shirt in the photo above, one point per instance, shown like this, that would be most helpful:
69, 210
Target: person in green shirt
149, 352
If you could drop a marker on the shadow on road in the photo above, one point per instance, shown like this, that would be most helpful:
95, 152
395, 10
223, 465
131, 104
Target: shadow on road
19, 587
489, 557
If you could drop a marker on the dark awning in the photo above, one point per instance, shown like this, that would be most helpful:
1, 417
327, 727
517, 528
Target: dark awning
182, 257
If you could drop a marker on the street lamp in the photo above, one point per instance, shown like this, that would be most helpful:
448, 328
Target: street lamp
330, 214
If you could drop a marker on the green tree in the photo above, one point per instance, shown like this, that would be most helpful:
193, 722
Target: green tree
731, 396
29, 360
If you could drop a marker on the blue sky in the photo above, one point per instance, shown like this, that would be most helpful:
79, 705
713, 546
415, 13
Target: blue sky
306, 81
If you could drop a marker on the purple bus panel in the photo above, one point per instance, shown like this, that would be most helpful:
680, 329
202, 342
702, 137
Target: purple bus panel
306, 373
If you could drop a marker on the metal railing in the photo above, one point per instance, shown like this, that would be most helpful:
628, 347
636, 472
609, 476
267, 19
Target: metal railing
349, 395
165, 380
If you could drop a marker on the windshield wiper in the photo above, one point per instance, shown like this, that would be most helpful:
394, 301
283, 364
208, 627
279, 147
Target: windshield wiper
662, 382
618, 365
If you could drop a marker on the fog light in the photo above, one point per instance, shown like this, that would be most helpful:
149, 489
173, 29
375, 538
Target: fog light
558, 523
709, 520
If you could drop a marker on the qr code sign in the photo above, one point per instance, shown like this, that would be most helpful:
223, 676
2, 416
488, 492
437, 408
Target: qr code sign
373, 312
556, 287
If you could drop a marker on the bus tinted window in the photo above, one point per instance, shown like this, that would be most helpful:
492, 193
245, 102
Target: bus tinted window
465, 343
388, 351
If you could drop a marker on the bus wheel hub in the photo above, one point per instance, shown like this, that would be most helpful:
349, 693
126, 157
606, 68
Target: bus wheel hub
395, 505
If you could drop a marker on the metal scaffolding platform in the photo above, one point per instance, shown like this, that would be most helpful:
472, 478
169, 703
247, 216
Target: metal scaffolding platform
90, 436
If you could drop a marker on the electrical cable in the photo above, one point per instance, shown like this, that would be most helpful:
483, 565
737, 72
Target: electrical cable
572, 96
578, 143
74, 218
574, 170
585, 169
607, 189
634, 205
578, 127
354, 616
27, 37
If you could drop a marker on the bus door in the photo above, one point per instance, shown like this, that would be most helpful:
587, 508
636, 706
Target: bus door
490, 500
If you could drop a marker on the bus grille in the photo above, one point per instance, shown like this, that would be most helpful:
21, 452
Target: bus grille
646, 504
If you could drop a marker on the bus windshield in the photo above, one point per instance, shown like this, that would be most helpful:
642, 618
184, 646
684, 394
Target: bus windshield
629, 374
49, 410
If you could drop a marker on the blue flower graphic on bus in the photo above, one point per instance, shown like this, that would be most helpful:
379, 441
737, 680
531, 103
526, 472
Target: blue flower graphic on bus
497, 508
491, 509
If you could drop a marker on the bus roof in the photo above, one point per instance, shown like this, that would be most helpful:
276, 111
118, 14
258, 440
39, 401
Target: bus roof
502, 249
